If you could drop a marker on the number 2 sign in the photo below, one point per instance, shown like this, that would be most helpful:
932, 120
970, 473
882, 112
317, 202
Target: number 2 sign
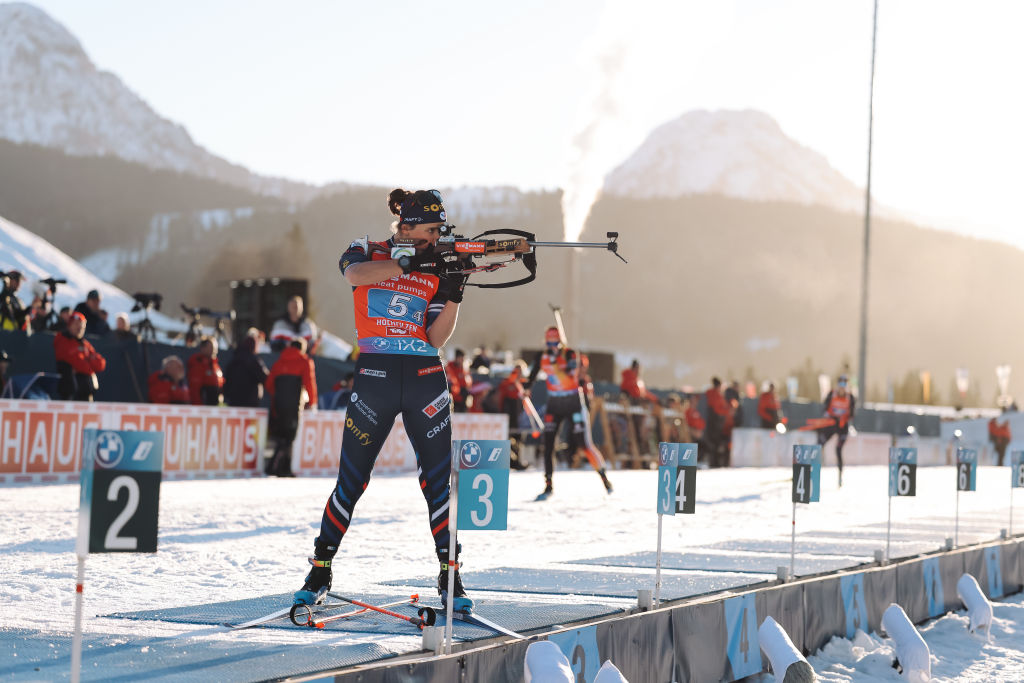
483, 483
120, 493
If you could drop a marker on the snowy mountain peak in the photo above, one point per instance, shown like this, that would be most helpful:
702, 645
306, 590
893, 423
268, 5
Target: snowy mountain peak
740, 154
54, 96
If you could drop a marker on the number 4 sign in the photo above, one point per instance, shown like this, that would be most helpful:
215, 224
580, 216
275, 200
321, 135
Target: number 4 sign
677, 478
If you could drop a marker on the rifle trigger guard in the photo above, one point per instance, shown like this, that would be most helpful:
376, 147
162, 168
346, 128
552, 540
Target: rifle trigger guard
529, 260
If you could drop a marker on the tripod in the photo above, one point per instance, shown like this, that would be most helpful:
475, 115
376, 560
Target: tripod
144, 328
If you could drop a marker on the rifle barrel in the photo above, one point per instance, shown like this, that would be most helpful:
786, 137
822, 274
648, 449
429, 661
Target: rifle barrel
599, 245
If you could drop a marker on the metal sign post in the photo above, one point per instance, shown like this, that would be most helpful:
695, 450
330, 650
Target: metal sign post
902, 482
481, 505
124, 470
1016, 479
806, 487
966, 480
677, 491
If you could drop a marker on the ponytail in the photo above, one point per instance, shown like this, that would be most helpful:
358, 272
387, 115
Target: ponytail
395, 199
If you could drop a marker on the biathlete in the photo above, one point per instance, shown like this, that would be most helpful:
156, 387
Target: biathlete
565, 402
406, 302
839, 407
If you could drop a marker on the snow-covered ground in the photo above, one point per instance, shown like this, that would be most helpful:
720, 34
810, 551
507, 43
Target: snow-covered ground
226, 540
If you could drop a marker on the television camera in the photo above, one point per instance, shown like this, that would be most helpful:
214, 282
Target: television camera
195, 327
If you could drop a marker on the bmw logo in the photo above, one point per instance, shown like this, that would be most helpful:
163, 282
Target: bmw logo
354, 397
663, 454
471, 454
109, 449
381, 344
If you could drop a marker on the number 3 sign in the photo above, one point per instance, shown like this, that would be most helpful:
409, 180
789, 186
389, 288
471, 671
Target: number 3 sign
120, 497
482, 467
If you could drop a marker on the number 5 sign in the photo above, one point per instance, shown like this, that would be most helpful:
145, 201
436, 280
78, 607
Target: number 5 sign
482, 466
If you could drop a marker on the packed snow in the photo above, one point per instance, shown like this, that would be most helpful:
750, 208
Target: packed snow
236, 539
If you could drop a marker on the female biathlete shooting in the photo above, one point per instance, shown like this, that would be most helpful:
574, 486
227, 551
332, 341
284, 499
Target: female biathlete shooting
406, 306
565, 402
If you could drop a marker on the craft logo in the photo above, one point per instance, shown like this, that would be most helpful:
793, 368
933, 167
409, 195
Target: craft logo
428, 371
470, 247
370, 372
437, 405
109, 449
437, 430
470, 454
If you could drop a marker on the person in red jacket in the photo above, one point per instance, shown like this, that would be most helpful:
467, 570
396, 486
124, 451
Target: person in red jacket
289, 377
167, 385
694, 420
769, 409
205, 379
459, 381
77, 362
1000, 436
718, 415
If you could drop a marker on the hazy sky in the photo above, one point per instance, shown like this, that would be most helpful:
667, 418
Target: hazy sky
459, 92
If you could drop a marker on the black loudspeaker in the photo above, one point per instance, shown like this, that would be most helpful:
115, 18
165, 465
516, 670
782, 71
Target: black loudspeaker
601, 369
258, 303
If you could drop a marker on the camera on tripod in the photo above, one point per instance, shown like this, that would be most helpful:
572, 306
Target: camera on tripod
146, 301
52, 282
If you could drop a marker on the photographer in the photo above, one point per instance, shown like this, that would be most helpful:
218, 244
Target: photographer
13, 314
90, 311
77, 362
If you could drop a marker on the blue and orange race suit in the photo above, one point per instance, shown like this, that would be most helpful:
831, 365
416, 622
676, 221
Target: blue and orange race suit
398, 372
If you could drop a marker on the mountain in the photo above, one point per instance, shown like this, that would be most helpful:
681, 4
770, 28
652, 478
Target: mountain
737, 154
54, 96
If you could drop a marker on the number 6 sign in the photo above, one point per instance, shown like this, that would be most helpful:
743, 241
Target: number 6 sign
482, 467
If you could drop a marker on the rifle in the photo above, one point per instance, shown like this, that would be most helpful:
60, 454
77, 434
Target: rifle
517, 245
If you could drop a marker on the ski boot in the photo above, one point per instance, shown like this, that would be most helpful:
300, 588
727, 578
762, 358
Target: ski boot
462, 602
318, 582
604, 480
547, 491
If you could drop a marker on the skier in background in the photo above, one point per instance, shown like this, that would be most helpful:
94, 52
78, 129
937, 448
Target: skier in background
560, 365
406, 304
839, 407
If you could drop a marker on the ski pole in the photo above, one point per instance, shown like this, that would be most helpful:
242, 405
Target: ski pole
412, 600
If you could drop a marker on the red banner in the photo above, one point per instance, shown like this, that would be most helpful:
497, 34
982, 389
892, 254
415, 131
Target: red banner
41, 441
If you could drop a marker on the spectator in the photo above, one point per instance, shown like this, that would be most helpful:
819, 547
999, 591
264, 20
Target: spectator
61, 323
13, 314
481, 362
77, 362
205, 379
294, 325
261, 339
769, 409
245, 376
5, 363
458, 381
694, 420
676, 430
734, 399
484, 400
340, 393
123, 328
1000, 436
167, 385
638, 394
715, 434
633, 386
509, 397
292, 385
90, 310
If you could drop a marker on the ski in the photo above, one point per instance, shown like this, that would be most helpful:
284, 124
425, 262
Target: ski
477, 620
541, 497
